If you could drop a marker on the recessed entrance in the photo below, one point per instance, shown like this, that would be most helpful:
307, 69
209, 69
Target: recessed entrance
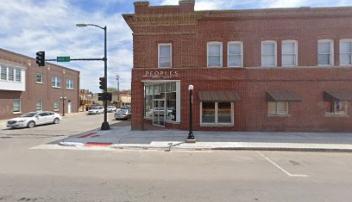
159, 109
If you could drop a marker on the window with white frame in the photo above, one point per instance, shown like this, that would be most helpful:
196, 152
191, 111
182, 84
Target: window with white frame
277, 108
56, 82
56, 106
289, 53
269, 54
11, 72
235, 54
346, 52
3, 73
39, 77
337, 108
217, 113
69, 84
165, 55
39, 106
325, 52
214, 54
16, 106
18, 76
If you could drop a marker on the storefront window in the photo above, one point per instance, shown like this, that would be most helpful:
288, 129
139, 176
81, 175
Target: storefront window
224, 112
208, 112
164, 91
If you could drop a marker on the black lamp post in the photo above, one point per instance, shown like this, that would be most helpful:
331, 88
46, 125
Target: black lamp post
63, 104
190, 138
105, 125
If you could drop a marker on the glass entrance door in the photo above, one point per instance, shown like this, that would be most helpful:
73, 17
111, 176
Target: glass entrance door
159, 109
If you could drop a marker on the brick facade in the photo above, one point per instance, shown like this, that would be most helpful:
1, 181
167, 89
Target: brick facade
189, 32
38, 91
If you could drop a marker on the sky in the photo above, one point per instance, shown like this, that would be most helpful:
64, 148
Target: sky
27, 26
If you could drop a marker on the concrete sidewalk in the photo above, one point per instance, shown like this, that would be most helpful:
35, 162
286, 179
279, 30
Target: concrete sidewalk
121, 137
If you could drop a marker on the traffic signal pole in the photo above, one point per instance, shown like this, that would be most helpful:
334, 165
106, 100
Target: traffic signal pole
40, 60
105, 125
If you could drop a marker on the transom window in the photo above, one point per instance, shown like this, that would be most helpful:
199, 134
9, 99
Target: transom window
214, 54
346, 52
268, 54
165, 55
289, 53
277, 108
56, 82
235, 54
325, 52
217, 113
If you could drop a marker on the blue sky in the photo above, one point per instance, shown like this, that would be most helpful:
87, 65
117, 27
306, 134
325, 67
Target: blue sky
31, 25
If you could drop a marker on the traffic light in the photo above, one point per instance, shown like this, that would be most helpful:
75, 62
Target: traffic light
104, 96
40, 59
102, 83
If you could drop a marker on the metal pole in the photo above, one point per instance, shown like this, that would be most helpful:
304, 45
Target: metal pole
190, 137
105, 125
63, 106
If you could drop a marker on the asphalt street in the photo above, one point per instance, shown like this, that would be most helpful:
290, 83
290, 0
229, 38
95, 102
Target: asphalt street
28, 174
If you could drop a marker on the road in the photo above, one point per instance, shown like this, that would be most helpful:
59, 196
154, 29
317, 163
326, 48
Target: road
28, 174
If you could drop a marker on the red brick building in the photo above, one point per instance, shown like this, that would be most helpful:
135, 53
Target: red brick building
25, 87
252, 70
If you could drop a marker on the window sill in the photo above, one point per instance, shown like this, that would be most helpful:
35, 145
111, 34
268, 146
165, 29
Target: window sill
41, 83
16, 112
332, 115
69, 88
55, 87
216, 125
279, 115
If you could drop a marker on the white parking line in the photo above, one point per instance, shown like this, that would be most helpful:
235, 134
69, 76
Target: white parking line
279, 167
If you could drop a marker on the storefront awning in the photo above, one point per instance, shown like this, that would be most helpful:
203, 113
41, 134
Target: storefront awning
284, 96
218, 96
338, 95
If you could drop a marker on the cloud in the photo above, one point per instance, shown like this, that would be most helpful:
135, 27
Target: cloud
50, 25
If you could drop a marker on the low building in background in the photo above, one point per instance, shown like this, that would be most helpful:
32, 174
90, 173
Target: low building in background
119, 99
86, 100
25, 87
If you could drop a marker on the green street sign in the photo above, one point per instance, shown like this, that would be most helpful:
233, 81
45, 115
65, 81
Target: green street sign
63, 59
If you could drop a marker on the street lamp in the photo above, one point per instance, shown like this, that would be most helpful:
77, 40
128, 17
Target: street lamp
118, 90
63, 104
105, 125
190, 138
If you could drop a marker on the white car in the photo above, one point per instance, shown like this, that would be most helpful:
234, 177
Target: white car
32, 119
111, 109
96, 110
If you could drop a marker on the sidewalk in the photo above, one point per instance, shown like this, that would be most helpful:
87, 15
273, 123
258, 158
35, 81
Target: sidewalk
121, 137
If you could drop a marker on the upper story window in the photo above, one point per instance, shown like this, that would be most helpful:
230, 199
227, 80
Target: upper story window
325, 52
269, 54
3, 72
346, 52
289, 53
11, 74
165, 55
56, 82
235, 54
8, 73
39, 77
69, 84
214, 54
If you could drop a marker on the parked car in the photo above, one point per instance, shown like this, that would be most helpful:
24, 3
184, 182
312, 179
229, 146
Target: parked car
96, 110
32, 119
111, 109
122, 114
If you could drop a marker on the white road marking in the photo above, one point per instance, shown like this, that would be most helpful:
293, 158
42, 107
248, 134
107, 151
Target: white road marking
279, 167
